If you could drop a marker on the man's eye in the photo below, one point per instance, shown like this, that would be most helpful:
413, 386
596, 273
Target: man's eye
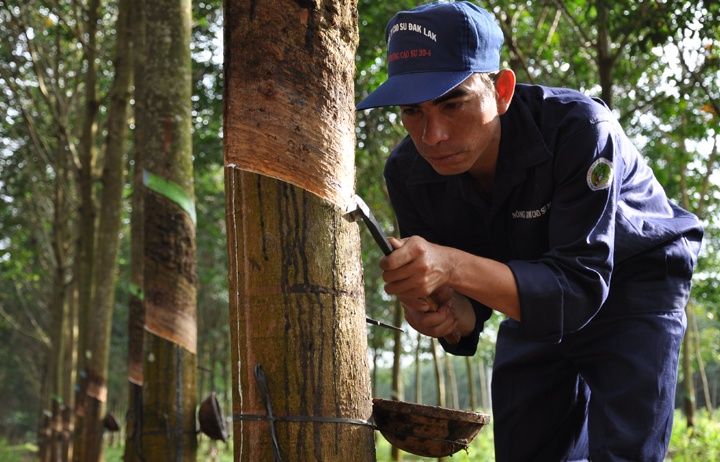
408, 111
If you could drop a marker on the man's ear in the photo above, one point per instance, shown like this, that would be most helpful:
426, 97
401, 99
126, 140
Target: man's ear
504, 89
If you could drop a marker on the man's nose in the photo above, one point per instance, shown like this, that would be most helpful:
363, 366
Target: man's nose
434, 131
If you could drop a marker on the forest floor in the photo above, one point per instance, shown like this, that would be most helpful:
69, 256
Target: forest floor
701, 443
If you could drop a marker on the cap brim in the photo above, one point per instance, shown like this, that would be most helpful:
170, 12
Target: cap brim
413, 88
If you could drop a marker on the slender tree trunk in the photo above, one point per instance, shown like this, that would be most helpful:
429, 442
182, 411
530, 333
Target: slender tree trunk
113, 179
701, 365
469, 367
452, 378
375, 352
298, 330
169, 267
85, 260
136, 309
61, 393
605, 57
397, 382
439, 376
688, 386
54, 394
70, 360
484, 389
692, 319
418, 370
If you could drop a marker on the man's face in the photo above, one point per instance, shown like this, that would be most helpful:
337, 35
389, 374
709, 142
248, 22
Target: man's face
459, 131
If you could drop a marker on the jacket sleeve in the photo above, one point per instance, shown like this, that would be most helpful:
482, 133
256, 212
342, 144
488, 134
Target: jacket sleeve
563, 290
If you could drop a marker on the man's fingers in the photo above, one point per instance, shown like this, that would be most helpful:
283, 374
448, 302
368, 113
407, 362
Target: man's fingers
397, 259
432, 323
396, 243
444, 295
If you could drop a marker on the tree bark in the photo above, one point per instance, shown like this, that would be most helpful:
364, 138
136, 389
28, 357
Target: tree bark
136, 308
688, 386
605, 57
469, 367
85, 261
108, 240
169, 265
439, 376
56, 394
397, 382
296, 294
693, 325
418, 370
296, 310
452, 379
485, 400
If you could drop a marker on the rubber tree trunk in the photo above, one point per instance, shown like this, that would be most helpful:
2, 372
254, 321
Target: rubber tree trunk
688, 380
296, 293
85, 259
113, 180
439, 376
397, 378
136, 309
56, 392
169, 267
470, 367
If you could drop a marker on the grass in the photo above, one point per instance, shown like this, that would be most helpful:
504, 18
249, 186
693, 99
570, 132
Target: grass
701, 443
17, 453
208, 452
480, 449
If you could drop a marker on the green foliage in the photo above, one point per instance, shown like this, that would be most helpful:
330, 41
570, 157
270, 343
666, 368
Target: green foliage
207, 113
208, 451
701, 443
686, 445
17, 453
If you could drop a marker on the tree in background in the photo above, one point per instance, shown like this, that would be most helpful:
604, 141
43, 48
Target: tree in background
90, 445
136, 308
170, 263
38, 204
51, 47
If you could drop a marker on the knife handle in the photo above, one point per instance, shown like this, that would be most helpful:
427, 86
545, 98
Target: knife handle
455, 336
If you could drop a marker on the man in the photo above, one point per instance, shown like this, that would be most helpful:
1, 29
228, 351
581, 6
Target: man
532, 202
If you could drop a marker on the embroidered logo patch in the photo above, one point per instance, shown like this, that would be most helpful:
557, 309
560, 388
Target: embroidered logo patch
532, 213
600, 174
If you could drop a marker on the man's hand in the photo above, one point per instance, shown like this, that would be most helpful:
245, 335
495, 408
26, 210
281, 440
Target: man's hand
415, 269
432, 323
418, 268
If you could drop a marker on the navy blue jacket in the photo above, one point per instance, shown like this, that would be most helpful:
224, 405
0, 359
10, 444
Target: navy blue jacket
573, 203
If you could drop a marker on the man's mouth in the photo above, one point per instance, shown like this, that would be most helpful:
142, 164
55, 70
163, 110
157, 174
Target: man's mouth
443, 158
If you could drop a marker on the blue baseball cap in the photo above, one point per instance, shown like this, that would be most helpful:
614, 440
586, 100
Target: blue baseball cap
432, 49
